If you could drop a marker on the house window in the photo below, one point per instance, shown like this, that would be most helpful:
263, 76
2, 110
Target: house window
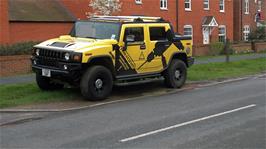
138, 1
246, 6
188, 31
188, 5
222, 33
246, 32
221, 5
206, 4
163, 4
259, 5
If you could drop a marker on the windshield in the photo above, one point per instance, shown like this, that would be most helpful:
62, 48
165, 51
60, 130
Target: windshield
96, 30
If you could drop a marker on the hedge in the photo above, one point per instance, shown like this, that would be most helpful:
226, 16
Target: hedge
23, 48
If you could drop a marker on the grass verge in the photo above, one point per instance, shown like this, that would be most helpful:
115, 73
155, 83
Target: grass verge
23, 94
213, 71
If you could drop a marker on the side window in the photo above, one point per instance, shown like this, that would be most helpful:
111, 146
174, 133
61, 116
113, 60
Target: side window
157, 33
135, 33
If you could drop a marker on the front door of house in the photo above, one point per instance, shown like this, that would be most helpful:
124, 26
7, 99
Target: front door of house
206, 36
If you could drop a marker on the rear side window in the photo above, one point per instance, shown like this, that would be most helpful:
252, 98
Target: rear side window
157, 33
136, 32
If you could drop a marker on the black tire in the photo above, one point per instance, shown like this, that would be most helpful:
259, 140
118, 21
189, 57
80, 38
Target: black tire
46, 84
91, 88
173, 79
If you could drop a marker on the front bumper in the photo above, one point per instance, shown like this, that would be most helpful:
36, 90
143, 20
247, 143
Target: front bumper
70, 68
190, 61
63, 71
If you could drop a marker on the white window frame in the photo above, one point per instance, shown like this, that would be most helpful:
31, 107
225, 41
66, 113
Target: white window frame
246, 32
189, 3
207, 2
221, 5
138, 1
259, 5
163, 4
246, 6
222, 34
190, 27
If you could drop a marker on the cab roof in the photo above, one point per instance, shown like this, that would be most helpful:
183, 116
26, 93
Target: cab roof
128, 19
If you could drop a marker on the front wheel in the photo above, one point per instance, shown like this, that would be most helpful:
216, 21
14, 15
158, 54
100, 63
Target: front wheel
47, 84
96, 83
176, 74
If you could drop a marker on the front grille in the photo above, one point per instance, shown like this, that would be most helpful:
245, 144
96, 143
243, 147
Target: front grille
51, 54
50, 58
48, 62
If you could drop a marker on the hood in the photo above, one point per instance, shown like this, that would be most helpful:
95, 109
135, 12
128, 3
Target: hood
68, 43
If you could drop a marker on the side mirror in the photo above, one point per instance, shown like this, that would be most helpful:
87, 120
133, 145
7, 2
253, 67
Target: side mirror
130, 38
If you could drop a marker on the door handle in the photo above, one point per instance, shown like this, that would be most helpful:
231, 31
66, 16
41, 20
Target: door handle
143, 47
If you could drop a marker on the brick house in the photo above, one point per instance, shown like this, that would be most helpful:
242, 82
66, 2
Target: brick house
200, 19
166, 9
248, 15
29, 20
204, 20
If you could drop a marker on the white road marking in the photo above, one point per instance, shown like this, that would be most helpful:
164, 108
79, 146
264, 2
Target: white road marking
185, 123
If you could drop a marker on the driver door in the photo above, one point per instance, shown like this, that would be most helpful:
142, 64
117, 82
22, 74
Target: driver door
134, 51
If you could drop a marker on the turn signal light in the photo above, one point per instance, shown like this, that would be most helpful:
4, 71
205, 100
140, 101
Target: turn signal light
88, 54
77, 58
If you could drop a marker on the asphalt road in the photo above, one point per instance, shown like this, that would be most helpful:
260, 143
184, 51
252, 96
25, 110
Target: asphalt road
228, 115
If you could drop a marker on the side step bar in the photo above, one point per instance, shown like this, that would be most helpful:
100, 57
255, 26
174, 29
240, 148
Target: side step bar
136, 77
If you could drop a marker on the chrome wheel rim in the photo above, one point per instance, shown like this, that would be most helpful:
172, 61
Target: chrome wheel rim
99, 83
177, 74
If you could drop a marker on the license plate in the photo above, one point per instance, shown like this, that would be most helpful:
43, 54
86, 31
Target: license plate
46, 72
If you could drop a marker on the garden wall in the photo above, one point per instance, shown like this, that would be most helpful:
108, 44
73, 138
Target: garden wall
260, 46
242, 47
201, 50
14, 65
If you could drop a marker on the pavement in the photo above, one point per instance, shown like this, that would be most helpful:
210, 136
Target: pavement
219, 115
31, 77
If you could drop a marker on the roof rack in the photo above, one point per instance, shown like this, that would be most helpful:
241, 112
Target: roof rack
128, 18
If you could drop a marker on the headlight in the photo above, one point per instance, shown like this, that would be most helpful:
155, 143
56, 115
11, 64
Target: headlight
67, 56
37, 52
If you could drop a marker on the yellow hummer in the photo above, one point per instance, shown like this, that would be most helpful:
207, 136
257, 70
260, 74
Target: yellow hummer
105, 50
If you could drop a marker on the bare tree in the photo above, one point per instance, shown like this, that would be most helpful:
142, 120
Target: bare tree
104, 7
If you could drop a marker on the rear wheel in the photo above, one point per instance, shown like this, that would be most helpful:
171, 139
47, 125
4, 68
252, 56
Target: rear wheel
176, 74
46, 83
96, 83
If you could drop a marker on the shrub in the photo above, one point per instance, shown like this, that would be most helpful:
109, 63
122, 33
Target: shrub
230, 49
23, 48
216, 48
258, 34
